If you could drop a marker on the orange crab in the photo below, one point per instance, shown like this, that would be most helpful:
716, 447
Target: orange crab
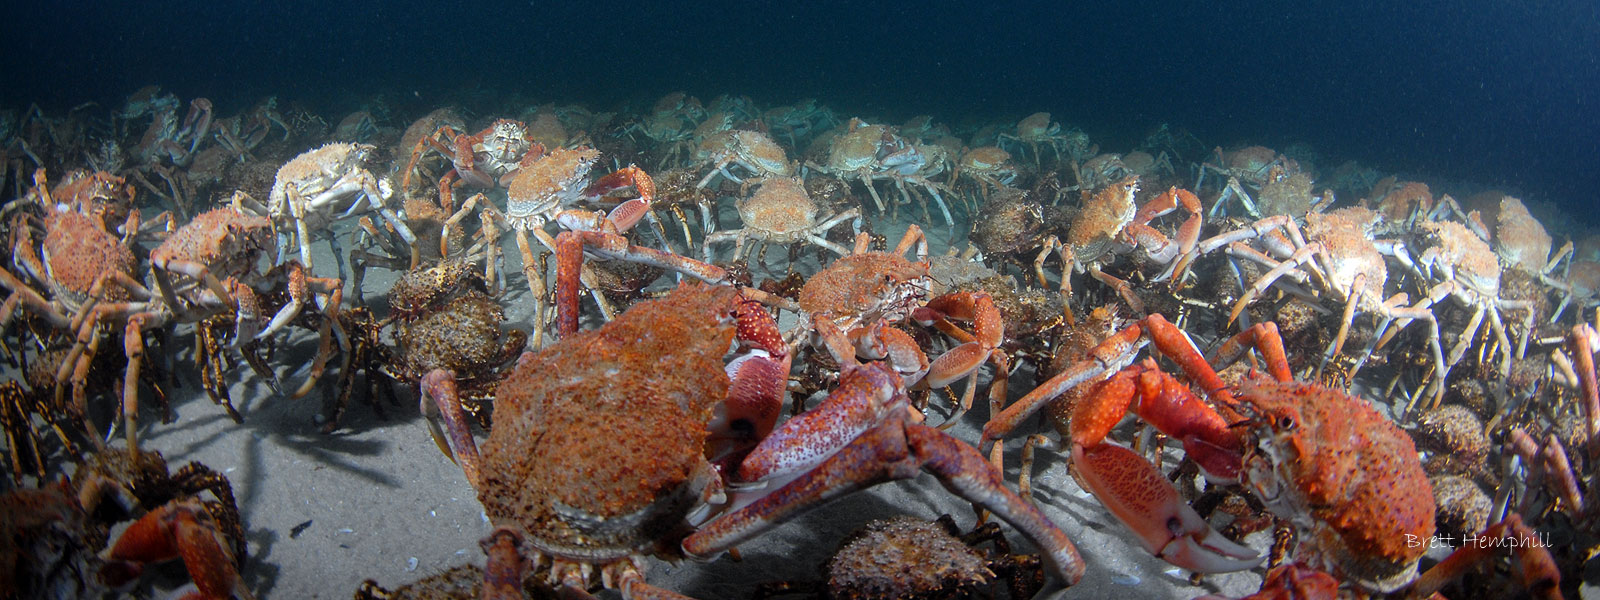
1110, 223
1345, 475
864, 294
547, 187
682, 417
206, 268
656, 378
486, 159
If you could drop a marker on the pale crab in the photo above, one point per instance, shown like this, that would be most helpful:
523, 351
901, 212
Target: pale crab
657, 378
921, 163
1252, 166
1470, 273
752, 151
483, 160
872, 152
799, 119
241, 134
1109, 223
672, 132
1580, 287
147, 100
1036, 129
168, 139
356, 127
780, 212
1102, 170
324, 185
987, 167
547, 187
1340, 249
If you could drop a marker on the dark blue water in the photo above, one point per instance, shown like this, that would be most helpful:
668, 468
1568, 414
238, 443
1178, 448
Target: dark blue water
1493, 92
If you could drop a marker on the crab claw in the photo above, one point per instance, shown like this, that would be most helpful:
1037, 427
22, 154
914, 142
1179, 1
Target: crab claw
865, 397
1139, 497
178, 529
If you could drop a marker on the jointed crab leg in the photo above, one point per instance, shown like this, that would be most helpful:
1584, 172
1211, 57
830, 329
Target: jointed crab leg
180, 530
1165, 524
570, 246
893, 450
1583, 342
1114, 353
438, 399
1535, 567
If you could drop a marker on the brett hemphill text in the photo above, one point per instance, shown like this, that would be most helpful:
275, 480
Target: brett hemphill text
1540, 539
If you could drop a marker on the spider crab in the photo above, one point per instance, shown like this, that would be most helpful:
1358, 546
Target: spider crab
444, 318
854, 303
780, 212
752, 151
656, 376
1339, 248
326, 184
1110, 224
486, 159
1471, 273
205, 268
545, 188
906, 557
1345, 475
177, 522
987, 167
872, 152
659, 369
1037, 129
1254, 166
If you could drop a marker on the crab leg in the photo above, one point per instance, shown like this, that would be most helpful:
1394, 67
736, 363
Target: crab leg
439, 386
330, 325
179, 530
1168, 405
867, 181
1138, 496
1535, 568
535, 275
1046, 246
891, 451
133, 346
1115, 352
506, 567
866, 396
1264, 338
1304, 254
570, 246
1583, 342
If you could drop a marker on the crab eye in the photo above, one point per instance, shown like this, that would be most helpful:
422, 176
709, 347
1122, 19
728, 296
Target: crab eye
1286, 422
